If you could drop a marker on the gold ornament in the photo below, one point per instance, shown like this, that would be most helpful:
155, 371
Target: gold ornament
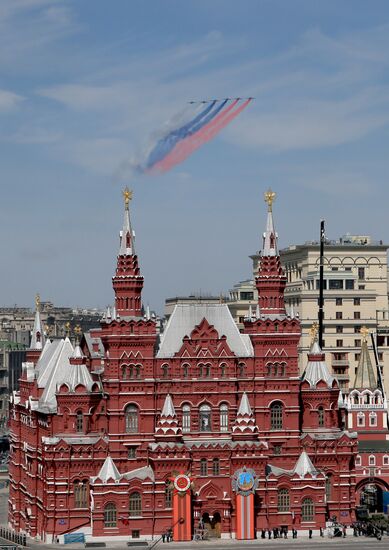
365, 333
313, 331
127, 194
269, 198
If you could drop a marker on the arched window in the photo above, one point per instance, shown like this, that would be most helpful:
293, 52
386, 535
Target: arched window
205, 418
186, 418
216, 467
307, 510
168, 495
203, 467
320, 414
283, 500
282, 369
135, 504
241, 369
371, 460
276, 416
385, 460
185, 370
131, 418
165, 371
81, 497
223, 369
224, 417
110, 519
328, 487
358, 460
207, 369
79, 422
201, 370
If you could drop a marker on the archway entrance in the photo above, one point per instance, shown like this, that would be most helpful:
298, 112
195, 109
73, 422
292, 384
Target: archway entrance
372, 497
212, 524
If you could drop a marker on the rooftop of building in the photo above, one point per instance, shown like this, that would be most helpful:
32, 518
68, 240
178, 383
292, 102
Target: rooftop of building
12, 346
346, 241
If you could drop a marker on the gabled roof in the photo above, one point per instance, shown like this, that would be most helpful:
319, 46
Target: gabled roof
316, 369
186, 317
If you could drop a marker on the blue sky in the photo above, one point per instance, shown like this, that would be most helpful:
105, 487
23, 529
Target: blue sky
83, 85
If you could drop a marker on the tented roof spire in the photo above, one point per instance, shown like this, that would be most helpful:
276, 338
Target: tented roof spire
127, 236
37, 336
270, 237
365, 377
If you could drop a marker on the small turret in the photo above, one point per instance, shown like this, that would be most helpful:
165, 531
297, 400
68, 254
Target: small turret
37, 335
271, 280
128, 281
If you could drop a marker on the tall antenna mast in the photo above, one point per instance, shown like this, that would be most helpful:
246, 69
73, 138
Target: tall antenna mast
321, 284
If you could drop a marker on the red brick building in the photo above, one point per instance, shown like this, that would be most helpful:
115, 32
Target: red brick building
101, 432
368, 416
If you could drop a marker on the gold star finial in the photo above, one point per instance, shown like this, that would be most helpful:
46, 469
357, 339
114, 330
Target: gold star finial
37, 302
365, 333
127, 194
67, 328
313, 332
269, 198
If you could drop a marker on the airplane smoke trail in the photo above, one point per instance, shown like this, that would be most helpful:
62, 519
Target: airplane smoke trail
177, 143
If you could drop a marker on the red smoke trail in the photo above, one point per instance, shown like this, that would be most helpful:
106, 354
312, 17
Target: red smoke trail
190, 144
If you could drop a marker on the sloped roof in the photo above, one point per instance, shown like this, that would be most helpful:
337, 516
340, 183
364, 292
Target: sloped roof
316, 369
184, 319
76, 375
54, 372
108, 471
303, 467
140, 473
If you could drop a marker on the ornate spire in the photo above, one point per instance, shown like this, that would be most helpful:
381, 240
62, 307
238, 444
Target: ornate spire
316, 369
168, 425
245, 422
365, 378
270, 236
127, 282
127, 236
270, 281
37, 335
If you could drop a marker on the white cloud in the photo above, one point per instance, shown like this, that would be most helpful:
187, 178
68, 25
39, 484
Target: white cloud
9, 100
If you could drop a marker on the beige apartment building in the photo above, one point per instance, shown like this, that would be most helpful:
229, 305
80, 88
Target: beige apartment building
356, 294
